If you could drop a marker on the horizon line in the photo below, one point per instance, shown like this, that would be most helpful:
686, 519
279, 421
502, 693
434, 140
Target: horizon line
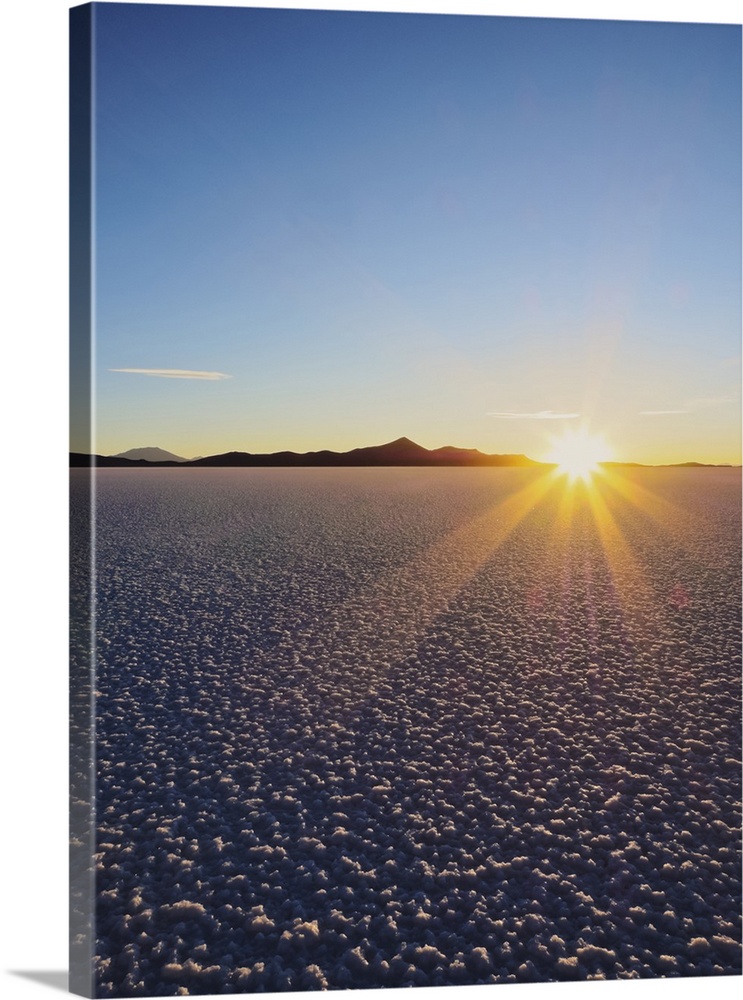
400, 441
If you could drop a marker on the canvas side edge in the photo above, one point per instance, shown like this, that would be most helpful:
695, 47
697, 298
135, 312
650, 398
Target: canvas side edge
82, 666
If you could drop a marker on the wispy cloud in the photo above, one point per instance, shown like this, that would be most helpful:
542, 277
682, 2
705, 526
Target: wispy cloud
173, 373
539, 415
659, 413
705, 402
690, 405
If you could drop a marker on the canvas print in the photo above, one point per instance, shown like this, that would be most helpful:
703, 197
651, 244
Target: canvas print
405, 500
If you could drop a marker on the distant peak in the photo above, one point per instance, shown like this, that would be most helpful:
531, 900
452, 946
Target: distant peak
405, 441
150, 454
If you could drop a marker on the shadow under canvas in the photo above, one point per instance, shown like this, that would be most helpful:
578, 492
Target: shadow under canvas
54, 979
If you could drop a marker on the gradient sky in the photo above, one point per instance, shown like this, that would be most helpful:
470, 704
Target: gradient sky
477, 231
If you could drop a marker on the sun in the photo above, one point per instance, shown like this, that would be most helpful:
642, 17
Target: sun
577, 453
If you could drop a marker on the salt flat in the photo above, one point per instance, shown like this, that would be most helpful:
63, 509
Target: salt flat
378, 727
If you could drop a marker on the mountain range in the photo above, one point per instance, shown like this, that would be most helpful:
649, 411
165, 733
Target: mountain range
403, 451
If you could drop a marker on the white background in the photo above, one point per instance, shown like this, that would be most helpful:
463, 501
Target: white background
33, 483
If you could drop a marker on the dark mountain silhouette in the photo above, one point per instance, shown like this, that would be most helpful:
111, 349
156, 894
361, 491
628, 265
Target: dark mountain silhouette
150, 455
402, 452
79, 461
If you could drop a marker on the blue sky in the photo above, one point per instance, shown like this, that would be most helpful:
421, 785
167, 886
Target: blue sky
475, 231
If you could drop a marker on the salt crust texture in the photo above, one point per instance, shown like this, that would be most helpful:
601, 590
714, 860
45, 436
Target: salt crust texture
364, 728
